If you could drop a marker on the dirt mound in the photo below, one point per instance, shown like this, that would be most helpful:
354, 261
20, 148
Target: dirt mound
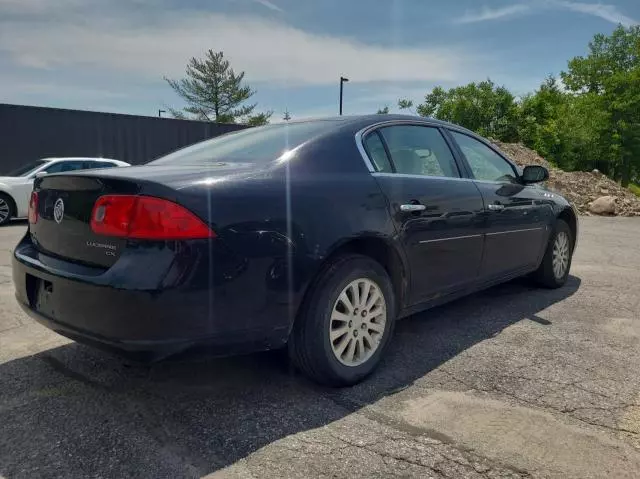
579, 187
522, 155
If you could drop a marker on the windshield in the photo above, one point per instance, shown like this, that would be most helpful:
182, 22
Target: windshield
260, 144
27, 169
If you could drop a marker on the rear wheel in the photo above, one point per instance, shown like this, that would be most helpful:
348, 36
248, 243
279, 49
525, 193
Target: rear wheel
346, 323
554, 269
6, 209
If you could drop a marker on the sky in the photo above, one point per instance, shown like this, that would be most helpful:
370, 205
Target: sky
113, 55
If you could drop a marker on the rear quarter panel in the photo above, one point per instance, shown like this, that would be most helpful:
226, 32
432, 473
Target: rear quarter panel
285, 221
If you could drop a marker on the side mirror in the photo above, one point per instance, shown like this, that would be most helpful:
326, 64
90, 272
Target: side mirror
534, 174
40, 174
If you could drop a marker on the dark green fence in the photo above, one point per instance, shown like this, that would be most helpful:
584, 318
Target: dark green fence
28, 133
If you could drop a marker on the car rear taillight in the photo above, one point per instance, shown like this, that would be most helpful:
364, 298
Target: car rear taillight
33, 208
146, 217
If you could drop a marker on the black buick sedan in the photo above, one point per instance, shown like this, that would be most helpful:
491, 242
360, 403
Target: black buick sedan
317, 235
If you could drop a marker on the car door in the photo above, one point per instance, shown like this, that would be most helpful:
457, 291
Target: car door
518, 221
437, 213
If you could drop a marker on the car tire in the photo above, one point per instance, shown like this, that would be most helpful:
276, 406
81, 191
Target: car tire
556, 263
6, 209
326, 325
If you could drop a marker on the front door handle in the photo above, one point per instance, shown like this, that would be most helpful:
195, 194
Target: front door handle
413, 207
495, 207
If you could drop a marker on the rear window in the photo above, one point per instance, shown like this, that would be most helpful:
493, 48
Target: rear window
253, 145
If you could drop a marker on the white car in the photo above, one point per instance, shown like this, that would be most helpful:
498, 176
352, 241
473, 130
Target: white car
15, 188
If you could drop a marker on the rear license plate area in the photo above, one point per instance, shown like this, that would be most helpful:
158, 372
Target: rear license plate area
39, 293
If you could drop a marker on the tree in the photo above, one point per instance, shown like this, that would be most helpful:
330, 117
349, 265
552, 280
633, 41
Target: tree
482, 107
608, 55
214, 92
539, 119
621, 99
593, 122
610, 73
405, 104
383, 111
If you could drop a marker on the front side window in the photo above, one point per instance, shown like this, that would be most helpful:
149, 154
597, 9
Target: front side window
27, 169
419, 150
485, 163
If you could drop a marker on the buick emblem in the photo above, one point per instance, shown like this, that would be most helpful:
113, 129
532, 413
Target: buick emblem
58, 210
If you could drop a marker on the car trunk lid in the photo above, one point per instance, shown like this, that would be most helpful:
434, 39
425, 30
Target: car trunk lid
63, 226
66, 202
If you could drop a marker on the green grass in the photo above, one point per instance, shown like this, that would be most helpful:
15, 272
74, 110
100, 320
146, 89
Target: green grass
635, 189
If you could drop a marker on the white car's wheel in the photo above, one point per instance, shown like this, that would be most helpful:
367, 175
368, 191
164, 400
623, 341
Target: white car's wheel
6, 209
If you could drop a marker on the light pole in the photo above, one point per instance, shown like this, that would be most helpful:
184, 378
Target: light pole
160, 112
342, 81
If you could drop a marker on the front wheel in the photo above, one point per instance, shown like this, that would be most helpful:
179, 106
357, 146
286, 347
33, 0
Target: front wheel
346, 322
554, 269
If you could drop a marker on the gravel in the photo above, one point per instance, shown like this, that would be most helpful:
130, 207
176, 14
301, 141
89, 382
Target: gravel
579, 187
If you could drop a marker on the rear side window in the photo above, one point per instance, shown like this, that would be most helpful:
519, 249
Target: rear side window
99, 164
419, 150
25, 170
253, 145
375, 149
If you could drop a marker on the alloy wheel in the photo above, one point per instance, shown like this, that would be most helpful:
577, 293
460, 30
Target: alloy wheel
358, 321
560, 255
5, 211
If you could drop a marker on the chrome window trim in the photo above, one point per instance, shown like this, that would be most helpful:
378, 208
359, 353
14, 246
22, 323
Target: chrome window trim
407, 175
359, 137
360, 134
367, 161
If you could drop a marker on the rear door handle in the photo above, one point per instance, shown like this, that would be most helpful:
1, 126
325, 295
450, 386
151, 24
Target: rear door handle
412, 207
495, 207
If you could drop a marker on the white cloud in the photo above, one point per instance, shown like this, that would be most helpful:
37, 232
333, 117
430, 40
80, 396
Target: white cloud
267, 50
486, 14
269, 5
36, 6
607, 12
48, 89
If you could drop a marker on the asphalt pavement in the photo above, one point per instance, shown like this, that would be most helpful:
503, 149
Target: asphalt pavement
511, 382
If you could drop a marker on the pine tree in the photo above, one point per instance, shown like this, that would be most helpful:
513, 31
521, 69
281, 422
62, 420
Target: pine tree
214, 92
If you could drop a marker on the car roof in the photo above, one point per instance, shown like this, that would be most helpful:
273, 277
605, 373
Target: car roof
374, 118
363, 121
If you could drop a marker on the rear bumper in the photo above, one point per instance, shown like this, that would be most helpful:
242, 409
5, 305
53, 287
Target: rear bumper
104, 309
133, 349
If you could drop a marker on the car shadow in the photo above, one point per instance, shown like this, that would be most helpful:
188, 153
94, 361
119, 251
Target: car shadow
75, 412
